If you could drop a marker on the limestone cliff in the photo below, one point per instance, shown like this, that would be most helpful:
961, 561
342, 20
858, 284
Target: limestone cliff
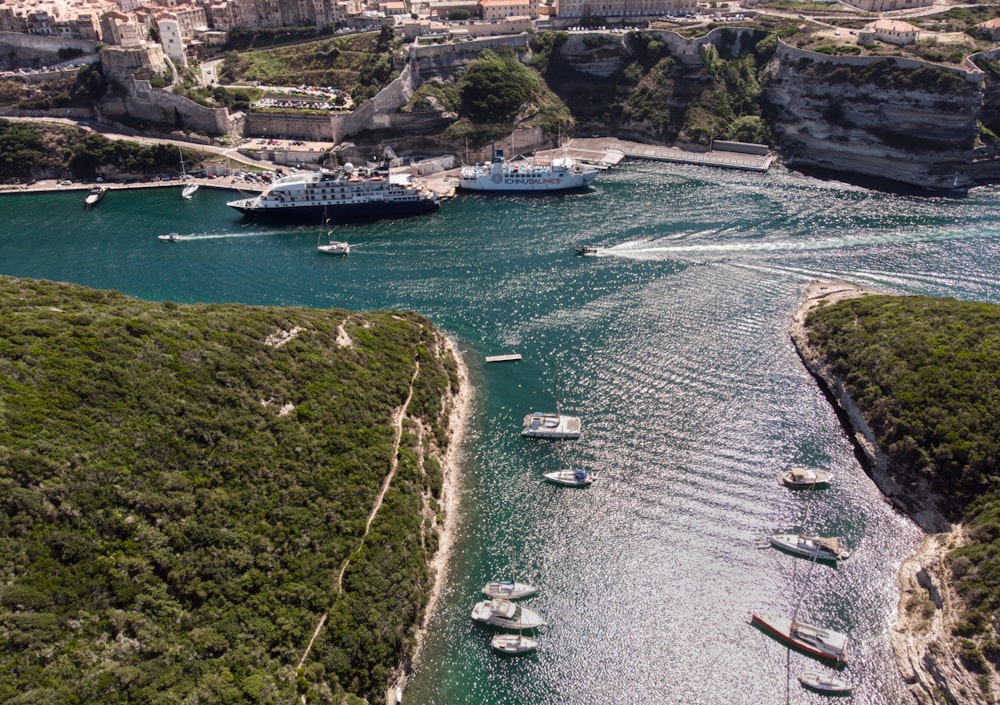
910, 121
928, 654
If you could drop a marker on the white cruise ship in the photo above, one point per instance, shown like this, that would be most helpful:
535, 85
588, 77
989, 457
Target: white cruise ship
536, 175
351, 193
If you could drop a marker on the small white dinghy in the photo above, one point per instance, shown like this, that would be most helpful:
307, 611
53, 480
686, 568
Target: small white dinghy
824, 683
570, 478
513, 643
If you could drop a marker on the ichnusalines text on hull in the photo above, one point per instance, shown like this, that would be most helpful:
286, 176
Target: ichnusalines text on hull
351, 193
560, 174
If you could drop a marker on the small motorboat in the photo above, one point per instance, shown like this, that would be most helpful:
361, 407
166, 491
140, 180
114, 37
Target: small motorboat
799, 476
583, 250
571, 478
822, 548
824, 683
508, 589
170, 237
94, 195
513, 643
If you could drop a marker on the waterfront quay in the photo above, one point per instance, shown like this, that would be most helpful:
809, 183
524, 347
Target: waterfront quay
599, 151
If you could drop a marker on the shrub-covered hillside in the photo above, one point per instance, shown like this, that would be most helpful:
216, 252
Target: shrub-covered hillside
183, 485
926, 375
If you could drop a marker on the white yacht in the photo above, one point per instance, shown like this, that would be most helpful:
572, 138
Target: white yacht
799, 476
550, 425
513, 643
504, 613
828, 548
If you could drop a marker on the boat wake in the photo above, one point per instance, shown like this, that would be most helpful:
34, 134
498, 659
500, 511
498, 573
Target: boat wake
681, 249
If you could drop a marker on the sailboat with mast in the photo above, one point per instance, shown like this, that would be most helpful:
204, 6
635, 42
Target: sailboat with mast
818, 642
539, 424
190, 185
332, 247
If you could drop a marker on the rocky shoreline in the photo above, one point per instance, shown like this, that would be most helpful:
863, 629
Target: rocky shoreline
926, 652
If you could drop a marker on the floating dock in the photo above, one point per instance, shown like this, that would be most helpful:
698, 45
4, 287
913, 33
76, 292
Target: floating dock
504, 358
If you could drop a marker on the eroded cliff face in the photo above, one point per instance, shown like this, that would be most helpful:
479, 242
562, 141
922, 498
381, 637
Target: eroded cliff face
905, 120
927, 650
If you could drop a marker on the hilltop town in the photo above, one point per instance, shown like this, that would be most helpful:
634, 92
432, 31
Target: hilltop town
179, 69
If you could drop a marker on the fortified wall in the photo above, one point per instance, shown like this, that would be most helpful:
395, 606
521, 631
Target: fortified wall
309, 127
164, 108
18, 49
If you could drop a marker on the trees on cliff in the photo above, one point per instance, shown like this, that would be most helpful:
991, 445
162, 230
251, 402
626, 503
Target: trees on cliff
179, 495
925, 374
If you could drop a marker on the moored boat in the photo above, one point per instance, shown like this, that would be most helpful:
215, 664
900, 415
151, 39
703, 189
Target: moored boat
812, 640
506, 614
534, 175
548, 425
800, 476
508, 589
189, 189
578, 477
94, 195
824, 683
822, 548
350, 193
513, 643
335, 247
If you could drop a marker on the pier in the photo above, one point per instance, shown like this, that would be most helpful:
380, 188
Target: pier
609, 151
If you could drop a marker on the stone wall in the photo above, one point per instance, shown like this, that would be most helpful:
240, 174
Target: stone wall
786, 52
309, 127
161, 107
18, 49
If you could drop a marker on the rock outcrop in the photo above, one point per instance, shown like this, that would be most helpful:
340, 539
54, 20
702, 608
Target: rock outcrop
913, 122
926, 650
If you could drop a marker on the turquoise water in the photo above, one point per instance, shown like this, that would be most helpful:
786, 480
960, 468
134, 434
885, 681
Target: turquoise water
672, 346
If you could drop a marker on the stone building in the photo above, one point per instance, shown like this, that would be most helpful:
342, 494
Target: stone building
890, 31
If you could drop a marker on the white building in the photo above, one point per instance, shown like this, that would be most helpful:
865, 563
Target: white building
171, 38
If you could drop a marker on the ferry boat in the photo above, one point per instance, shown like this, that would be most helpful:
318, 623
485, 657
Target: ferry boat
536, 175
350, 193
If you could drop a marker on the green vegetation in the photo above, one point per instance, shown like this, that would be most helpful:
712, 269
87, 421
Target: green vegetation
925, 374
494, 91
80, 90
181, 486
885, 74
688, 108
250, 38
360, 64
34, 149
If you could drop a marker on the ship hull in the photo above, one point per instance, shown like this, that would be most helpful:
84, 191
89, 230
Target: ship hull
780, 629
535, 184
337, 212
